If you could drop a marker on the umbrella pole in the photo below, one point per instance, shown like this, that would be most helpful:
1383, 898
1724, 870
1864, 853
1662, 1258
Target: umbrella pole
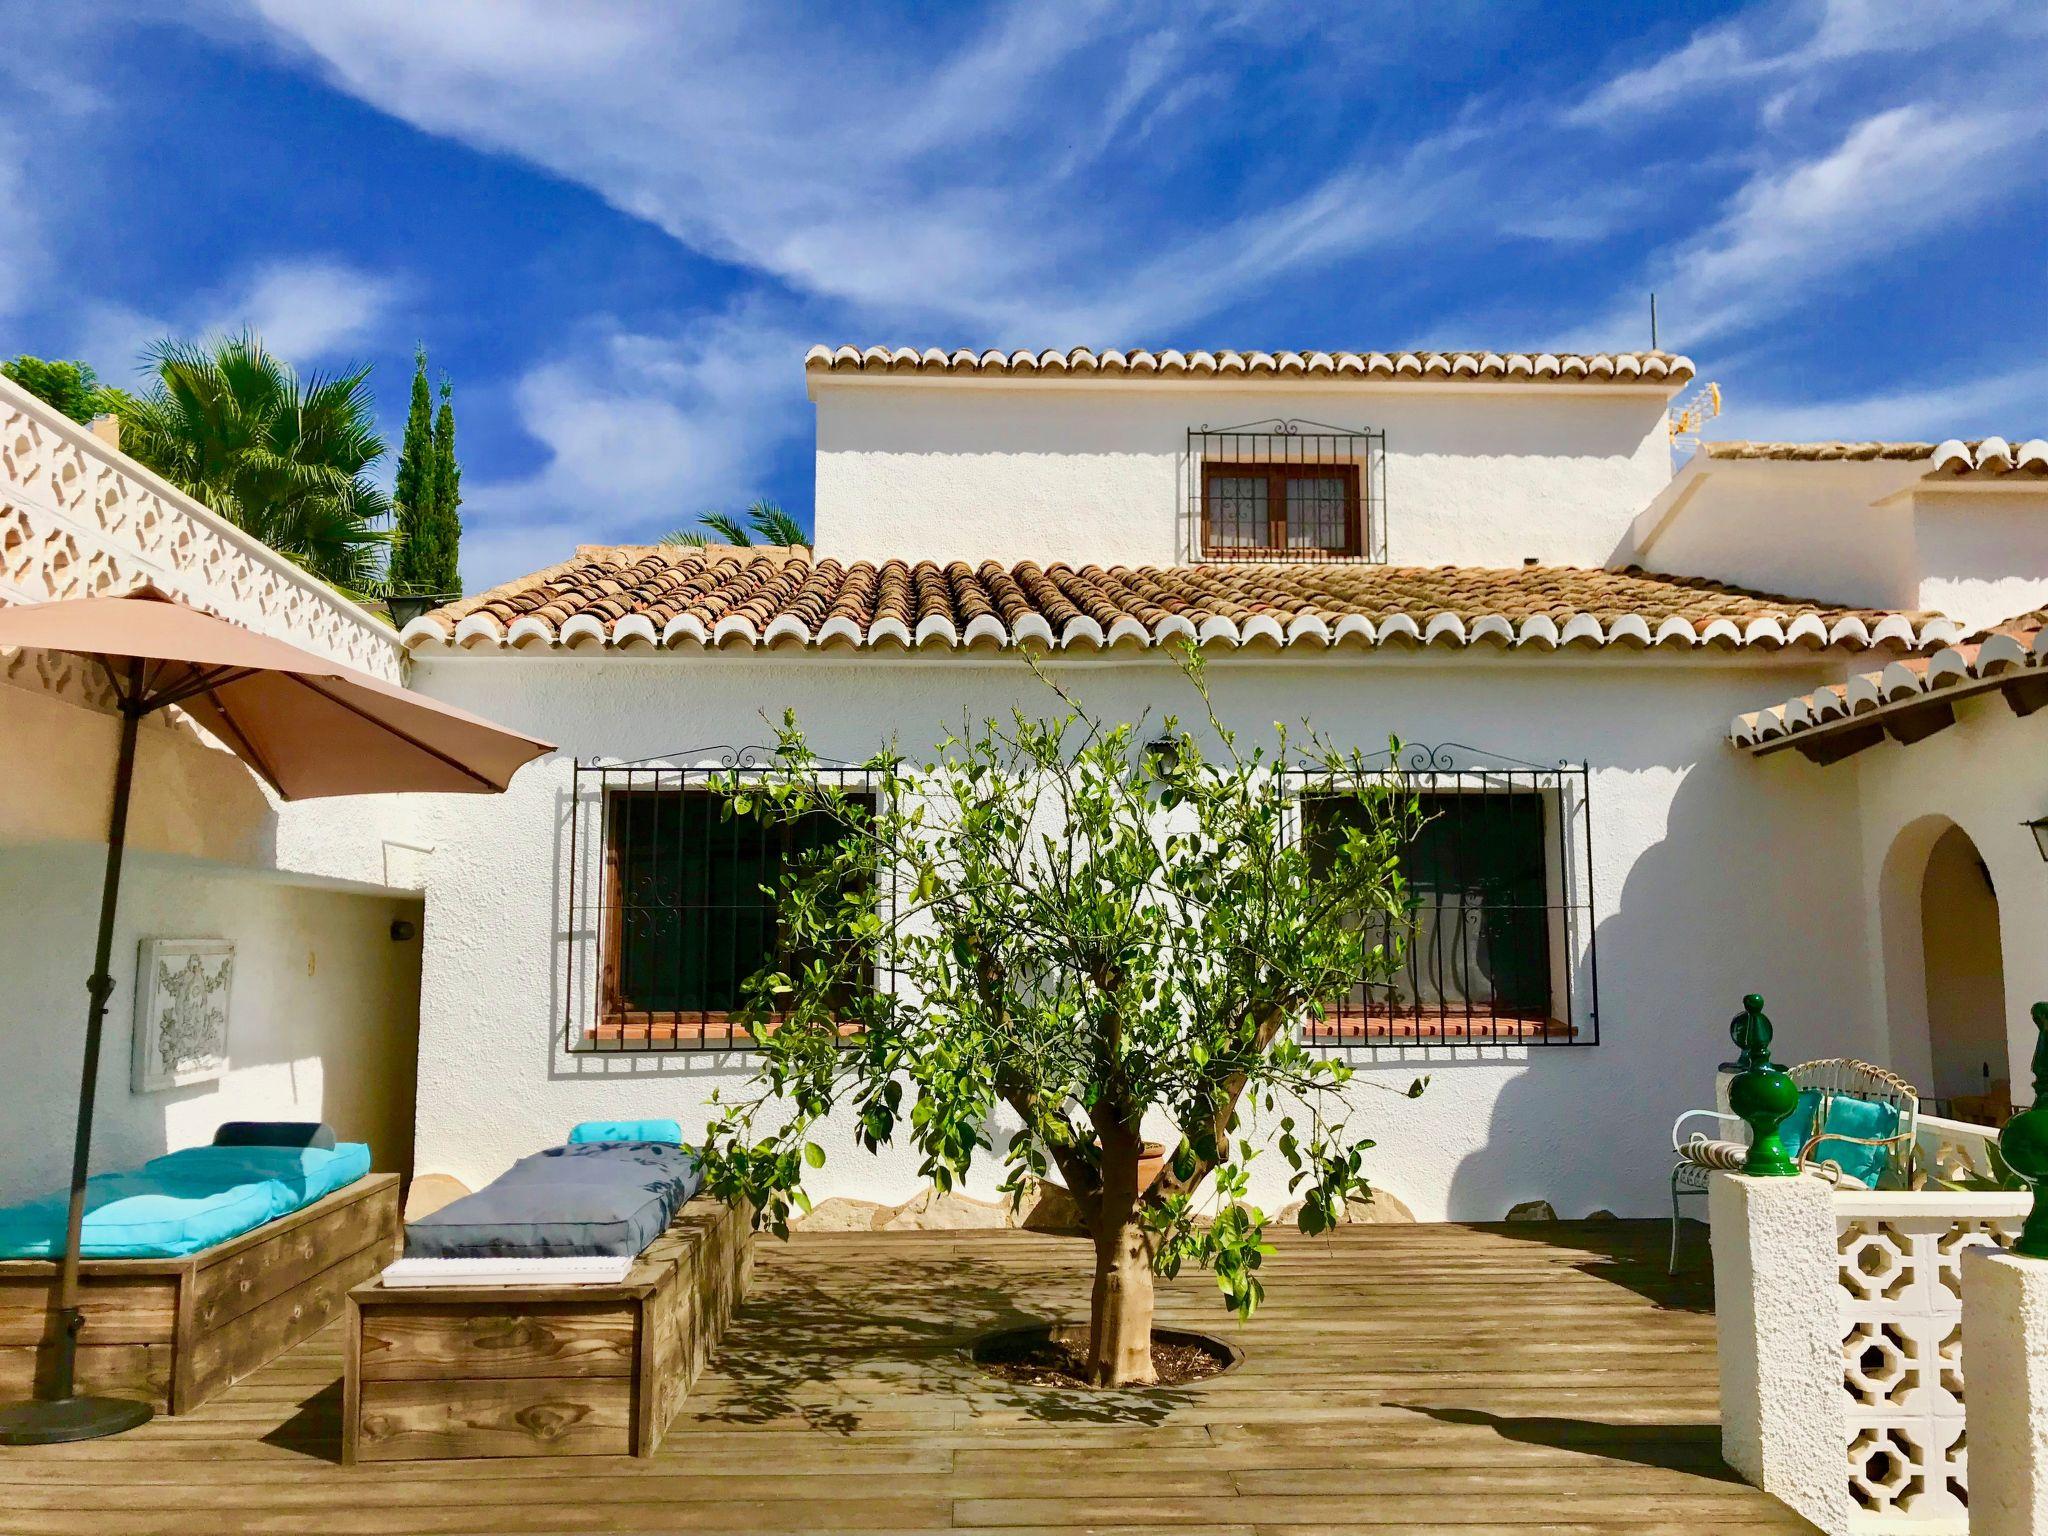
58, 1413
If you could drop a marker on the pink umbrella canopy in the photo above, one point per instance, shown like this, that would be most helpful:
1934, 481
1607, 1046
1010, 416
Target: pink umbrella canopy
307, 725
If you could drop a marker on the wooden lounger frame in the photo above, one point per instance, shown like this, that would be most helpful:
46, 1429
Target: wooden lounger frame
437, 1373
175, 1332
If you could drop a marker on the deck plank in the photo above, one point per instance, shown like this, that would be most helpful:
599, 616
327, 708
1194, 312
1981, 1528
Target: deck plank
1477, 1380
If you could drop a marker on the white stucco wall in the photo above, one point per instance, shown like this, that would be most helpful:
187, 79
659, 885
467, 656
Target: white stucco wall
1981, 774
324, 1010
1096, 471
1983, 551
1777, 1323
1711, 879
1866, 533
192, 798
2005, 1320
1810, 530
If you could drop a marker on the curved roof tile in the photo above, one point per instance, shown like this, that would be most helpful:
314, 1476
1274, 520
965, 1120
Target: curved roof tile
1476, 367
750, 595
2011, 654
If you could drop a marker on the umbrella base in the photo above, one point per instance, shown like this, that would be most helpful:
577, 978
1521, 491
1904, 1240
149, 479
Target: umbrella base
57, 1421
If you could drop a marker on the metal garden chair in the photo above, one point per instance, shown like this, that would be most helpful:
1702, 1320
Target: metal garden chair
1833, 1077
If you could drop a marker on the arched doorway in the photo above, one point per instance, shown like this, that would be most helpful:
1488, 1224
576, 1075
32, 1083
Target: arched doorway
1965, 973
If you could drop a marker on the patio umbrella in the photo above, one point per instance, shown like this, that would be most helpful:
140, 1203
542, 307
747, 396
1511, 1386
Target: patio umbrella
308, 727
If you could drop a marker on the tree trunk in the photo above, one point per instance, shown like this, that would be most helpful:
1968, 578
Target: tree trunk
1120, 1316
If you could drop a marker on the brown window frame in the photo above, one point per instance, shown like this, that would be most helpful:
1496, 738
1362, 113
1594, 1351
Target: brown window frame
622, 1023
1277, 475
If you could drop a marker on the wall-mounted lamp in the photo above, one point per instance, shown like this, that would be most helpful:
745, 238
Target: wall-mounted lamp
2039, 827
404, 607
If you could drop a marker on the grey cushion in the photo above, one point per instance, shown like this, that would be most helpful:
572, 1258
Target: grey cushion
609, 1198
275, 1133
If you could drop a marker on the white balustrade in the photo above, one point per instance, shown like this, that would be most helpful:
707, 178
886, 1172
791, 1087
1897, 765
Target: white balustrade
80, 519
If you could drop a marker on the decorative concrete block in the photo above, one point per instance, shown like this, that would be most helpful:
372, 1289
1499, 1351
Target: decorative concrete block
1776, 1304
2005, 1330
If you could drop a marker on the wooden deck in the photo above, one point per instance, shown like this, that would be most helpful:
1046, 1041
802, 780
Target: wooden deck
1414, 1379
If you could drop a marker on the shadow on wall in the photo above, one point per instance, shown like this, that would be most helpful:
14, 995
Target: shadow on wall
1587, 1128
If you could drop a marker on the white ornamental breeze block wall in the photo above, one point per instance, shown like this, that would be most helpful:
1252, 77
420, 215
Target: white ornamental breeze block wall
1900, 1273
78, 519
1839, 1319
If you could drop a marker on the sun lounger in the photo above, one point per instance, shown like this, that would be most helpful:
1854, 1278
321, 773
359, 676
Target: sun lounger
563, 1309
199, 1266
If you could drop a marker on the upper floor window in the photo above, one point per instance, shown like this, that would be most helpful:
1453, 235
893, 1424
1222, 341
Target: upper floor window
1286, 490
1286, 511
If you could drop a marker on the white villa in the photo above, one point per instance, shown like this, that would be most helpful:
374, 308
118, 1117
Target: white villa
1488, 556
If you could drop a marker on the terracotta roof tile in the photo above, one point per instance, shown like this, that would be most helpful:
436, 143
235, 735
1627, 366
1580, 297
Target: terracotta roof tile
1986, 455
1835, 721
1234, 366
660, 595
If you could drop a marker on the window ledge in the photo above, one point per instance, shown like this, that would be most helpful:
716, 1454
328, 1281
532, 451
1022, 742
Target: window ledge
691, 1031
1432, 1029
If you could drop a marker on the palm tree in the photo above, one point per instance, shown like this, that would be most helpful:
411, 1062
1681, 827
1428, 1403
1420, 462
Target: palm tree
764, 518
284, 458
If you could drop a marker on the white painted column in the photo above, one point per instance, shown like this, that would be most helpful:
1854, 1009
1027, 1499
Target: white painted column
1777, 1311
2005, 1332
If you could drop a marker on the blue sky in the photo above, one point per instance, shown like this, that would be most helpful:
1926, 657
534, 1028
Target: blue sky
617, 226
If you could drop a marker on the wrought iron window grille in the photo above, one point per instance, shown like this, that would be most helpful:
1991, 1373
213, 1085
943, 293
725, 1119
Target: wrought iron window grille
642, 852
1286, 490
1501, 946
666, 916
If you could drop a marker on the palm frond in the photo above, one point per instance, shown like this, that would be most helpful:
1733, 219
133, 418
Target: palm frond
727, 527
775, 525
285, 459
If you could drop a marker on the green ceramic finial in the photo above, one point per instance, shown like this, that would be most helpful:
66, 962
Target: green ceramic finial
2024, 1146
1751, 1032
1763, 1095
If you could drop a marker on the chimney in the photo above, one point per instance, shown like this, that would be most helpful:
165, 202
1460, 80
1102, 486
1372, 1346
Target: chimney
107, 429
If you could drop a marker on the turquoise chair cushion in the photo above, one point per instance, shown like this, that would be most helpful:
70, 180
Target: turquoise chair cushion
1857, 1117
1799, 1124
627, 1130
183, 1202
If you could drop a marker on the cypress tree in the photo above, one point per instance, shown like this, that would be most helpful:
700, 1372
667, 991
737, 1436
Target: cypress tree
447, 496
412, 496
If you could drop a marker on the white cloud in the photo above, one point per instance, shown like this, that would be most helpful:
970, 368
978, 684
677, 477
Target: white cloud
642, 431
1896, 179
2005, 403
308, 310
1769, 43
954, 180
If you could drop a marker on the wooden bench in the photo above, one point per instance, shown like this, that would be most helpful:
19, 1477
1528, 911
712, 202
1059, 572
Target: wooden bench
437, 1373
175, 1332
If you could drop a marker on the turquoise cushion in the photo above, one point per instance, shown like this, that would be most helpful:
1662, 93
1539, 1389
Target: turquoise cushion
1857, 1117
183, 1202
628, 1130
1799, 1124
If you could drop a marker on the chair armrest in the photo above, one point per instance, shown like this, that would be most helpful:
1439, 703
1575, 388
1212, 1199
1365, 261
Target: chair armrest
1679, 1137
